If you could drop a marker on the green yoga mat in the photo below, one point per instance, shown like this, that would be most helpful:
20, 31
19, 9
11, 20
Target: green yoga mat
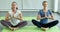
24, 18
32, 29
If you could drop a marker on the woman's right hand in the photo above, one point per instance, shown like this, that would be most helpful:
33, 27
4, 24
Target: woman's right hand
13, 16
46, 15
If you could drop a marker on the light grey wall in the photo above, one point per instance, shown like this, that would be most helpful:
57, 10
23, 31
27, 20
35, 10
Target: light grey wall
6, 4
26, 4
36, 4
2, 13
58, 5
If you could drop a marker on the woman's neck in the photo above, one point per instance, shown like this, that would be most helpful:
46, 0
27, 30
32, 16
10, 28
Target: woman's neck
45, 9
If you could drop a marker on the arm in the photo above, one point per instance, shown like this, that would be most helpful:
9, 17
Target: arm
7, 17
51, 15
20, 17
39, 17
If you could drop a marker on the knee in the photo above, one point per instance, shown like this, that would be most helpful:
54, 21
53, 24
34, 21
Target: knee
33, 20
2, 21
25, 22
56, 21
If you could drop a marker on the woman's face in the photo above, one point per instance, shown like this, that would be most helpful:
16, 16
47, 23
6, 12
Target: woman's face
45, 4
14, 6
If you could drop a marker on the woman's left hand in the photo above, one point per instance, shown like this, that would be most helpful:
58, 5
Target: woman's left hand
14, 17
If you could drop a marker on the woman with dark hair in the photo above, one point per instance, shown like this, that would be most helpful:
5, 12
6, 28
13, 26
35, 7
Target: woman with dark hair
13, 19
43, 15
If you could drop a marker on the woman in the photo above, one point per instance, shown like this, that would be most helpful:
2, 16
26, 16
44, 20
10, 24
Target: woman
13, 19
43, 15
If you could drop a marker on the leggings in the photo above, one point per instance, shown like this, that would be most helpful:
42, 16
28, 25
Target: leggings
39, 24
7, 24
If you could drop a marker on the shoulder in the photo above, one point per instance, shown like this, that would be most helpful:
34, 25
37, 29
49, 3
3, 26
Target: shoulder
19, 11
10, 12
40, 10
49, 11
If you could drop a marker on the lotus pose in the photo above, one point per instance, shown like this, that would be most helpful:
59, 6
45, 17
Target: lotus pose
13, 19
43, 15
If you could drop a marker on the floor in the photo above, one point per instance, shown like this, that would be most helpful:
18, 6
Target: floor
56, 17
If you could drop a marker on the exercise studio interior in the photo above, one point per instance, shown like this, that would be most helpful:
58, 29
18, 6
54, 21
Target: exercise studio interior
29, 15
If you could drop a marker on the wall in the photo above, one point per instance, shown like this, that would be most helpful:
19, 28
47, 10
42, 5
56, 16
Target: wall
29, 12
58, 5
25, 4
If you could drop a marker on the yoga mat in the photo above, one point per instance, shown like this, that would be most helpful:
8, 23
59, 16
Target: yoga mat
32, 29
24, 18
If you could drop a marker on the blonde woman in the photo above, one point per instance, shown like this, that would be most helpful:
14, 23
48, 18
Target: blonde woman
13, 19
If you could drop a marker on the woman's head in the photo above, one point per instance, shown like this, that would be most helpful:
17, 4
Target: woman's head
14, 6
44, 3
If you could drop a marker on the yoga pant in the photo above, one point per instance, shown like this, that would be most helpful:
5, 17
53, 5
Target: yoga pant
39, 24
7, 24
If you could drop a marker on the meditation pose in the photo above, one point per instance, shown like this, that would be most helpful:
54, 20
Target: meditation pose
13, 19
43, 15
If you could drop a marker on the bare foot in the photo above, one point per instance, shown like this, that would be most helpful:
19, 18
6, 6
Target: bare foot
15, 28
44, 28
11, 28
